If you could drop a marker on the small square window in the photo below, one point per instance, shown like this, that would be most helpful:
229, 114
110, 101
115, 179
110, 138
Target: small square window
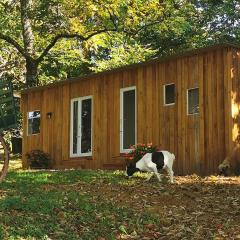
193, 101
169, 94
33, 122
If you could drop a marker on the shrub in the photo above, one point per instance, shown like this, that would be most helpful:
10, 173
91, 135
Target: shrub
38, 159
139, 150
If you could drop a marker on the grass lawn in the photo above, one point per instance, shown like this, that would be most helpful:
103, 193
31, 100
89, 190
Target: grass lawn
105, 205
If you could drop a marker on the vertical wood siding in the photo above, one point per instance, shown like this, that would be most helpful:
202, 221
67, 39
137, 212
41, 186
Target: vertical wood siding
200, 142
235, 103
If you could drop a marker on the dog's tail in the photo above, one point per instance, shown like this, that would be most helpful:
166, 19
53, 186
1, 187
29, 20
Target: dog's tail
173, 157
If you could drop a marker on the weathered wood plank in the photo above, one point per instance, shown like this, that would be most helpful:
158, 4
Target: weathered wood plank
65, 126
227, 97
200, 162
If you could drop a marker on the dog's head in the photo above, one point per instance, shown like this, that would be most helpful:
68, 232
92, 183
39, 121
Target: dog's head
131, 169
224, 168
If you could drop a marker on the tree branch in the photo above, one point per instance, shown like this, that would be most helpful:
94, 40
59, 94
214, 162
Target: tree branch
7, 66
69, 36
142, 28
15, 44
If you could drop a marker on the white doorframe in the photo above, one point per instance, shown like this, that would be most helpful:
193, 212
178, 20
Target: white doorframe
79, 127
122, 90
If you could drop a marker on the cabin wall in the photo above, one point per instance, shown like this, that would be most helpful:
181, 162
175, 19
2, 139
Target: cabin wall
234, 120
235, 95
30, 102
198, 141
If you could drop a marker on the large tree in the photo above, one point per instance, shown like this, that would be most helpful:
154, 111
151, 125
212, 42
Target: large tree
201, 23
187, 25
58, 38
33, 28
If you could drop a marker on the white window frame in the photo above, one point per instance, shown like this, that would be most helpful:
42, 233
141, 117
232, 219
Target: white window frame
164, 95
122, 90
79, 148
190, 114
32, 134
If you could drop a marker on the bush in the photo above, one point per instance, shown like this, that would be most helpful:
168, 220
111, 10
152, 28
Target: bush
38, 159
139, 150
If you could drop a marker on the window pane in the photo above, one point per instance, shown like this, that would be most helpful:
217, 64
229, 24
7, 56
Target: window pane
193, 101
75, 126
30, 126
128, 119
169, 94
30, 115
35, 114
33, 122
86, 123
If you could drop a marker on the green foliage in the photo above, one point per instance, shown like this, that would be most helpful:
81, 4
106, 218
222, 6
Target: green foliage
218, 19
139, 30
72, 64
118, 51
38, 159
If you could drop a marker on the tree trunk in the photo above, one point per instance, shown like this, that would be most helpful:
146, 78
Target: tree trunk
28, 37
6, 159
28, 50
31, 72
28, 40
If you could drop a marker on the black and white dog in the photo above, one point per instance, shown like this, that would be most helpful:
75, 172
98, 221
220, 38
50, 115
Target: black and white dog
153, 162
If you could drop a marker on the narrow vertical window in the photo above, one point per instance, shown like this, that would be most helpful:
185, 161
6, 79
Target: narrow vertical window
169, 94
193, 101
86, 126
75, 127
127, 118
81, 127
33, 122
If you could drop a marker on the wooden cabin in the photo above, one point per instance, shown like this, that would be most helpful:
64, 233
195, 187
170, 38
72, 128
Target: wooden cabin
186, 103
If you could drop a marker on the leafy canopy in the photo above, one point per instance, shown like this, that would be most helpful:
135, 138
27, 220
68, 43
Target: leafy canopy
75, 37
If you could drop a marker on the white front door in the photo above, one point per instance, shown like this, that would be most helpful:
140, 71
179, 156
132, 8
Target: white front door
81, 127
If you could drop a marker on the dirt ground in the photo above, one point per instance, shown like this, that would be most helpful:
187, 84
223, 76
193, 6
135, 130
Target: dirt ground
191, 208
